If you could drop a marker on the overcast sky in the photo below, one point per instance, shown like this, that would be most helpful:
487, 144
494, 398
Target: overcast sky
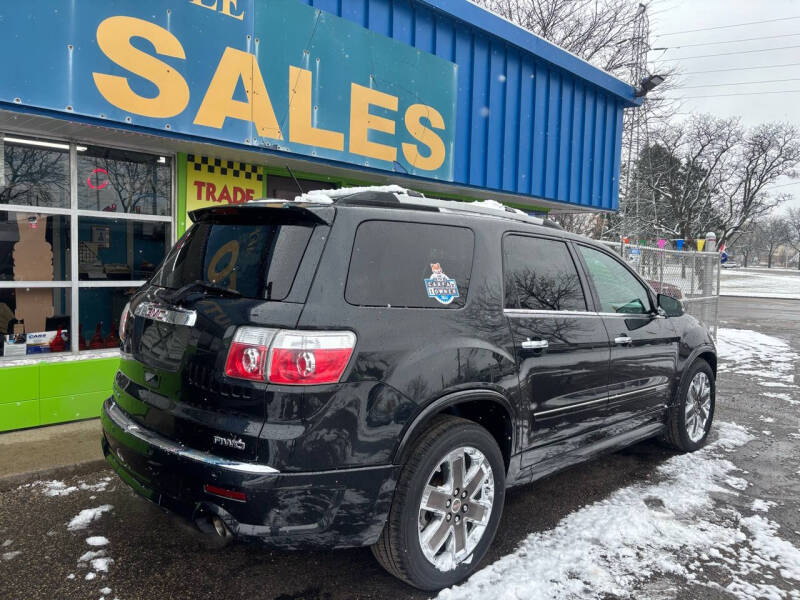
670, 16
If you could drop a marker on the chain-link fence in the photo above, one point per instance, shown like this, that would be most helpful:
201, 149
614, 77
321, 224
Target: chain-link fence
692, 277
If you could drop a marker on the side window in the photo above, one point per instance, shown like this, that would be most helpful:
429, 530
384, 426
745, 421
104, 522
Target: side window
410, 265
539, 274
619, 290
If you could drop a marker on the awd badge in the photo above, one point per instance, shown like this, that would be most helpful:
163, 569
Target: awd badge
441, 287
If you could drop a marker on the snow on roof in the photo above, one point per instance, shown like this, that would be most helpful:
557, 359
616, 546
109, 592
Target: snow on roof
494, 204
328, 196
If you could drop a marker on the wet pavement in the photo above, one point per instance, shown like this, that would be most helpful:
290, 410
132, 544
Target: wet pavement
156, 556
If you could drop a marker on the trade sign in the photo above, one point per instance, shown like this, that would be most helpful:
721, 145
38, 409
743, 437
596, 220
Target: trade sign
278, 75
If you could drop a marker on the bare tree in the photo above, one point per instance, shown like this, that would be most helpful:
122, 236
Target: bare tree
34, 176
775, 233
680, 170
599, 31
793, 223
748, 243
767, 153
583, 223
709, 174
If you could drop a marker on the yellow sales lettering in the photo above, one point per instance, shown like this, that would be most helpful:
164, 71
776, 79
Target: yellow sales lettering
373, 114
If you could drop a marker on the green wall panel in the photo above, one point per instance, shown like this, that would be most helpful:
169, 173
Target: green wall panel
19, 384
54, 392
17, 415
76, 377
71, 408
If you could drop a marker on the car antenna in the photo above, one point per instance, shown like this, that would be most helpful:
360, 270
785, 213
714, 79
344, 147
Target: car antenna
297, 183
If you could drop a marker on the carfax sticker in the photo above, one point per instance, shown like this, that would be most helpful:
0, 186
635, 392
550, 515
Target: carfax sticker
441, 287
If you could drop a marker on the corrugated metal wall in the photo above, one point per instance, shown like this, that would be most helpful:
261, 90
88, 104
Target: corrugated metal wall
523, 125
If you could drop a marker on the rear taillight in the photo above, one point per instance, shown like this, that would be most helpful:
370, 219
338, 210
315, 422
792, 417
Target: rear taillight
310, 357
289, 357
248, 353
123, 321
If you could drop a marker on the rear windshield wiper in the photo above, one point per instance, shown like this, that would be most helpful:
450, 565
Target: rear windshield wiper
201, 286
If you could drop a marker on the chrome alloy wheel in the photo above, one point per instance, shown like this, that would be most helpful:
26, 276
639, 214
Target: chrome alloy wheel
455, 507
698, 406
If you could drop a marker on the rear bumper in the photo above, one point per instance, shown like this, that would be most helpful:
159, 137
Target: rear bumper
341, 508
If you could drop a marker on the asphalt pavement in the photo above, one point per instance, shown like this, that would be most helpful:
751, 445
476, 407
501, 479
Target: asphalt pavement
156, 556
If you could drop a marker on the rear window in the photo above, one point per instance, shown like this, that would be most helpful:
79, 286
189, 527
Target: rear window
411, 265
258, 261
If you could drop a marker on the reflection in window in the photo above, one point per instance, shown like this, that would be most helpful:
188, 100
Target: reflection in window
619, 290
98, 318
124, 181
119, 248
34, 247
539, 275
34, 172
34, 321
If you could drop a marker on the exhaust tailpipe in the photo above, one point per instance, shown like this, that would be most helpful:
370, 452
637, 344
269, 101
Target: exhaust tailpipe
220, 528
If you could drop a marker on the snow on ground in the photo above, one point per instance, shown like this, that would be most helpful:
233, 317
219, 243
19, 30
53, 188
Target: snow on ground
770, 360
98, 561
97, 540
59, 488
12, 554
760, 283
87, 515
672, 525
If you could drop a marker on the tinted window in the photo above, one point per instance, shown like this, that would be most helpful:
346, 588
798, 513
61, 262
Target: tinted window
539, 274
258, 261
619, 290
410, 265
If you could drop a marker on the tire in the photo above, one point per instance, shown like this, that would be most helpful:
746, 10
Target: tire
682, 432
431, 460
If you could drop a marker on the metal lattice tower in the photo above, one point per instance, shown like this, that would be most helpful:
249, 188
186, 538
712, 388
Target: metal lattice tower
635, 126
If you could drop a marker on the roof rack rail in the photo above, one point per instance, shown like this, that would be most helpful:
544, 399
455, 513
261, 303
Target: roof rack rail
395, 196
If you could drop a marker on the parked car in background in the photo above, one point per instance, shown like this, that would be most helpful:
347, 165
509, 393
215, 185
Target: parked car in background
668, 289
375, 368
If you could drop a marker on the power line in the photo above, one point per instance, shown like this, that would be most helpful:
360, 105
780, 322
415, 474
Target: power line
727, 26
741, 69
763, 37
687, 87
736, 94
729, 53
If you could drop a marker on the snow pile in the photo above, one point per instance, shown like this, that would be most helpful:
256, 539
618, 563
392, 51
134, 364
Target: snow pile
770, 360
11, 555
86, 516
495, 205
328, 196
671, 526
97, 540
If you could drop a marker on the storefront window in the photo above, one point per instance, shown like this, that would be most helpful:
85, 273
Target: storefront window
120, 249
122, 210
34, 172
98, 316
34, 321
124, 182
34, 247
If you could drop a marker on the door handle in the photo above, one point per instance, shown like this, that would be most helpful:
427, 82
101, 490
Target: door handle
530, 344
622, 339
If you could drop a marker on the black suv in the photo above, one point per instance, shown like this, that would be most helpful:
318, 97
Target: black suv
372, 367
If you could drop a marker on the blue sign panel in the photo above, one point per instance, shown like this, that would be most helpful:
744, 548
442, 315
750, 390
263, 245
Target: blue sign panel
277, 74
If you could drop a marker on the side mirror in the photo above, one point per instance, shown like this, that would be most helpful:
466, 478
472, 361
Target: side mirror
671, 306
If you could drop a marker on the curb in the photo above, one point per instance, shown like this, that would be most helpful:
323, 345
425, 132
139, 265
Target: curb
82, 468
